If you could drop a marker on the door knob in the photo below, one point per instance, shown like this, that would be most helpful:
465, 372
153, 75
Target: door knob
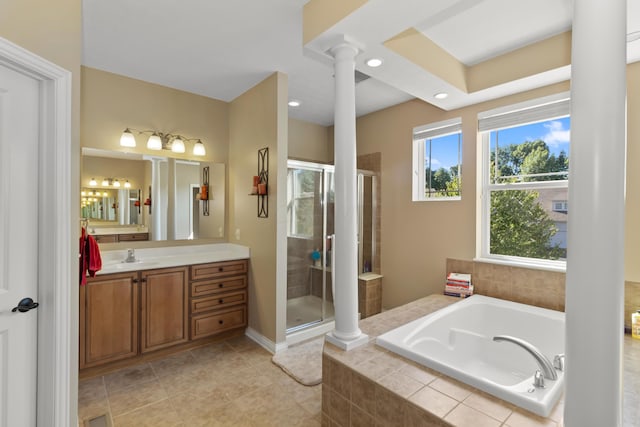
25, 305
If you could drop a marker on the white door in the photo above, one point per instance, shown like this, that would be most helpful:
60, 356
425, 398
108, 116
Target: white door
19, 134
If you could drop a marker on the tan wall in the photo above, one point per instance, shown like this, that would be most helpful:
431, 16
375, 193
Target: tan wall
419, 236
632, 211
310, 142
255, 122
111, 103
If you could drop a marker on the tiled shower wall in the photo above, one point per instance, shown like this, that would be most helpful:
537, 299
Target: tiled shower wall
530, 286
373, 162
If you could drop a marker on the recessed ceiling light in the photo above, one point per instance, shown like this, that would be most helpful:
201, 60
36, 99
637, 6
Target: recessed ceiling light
294, 103
441, 95
374, 62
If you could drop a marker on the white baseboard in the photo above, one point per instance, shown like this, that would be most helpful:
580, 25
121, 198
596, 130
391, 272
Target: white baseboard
265, 342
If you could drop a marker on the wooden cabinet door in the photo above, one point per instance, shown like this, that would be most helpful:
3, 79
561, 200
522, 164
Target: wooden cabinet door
108, 319
164, 308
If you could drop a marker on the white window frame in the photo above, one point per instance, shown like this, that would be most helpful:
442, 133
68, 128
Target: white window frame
541, 109
559, 206
429, 132
293, 196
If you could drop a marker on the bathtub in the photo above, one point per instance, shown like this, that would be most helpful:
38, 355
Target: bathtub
458, 341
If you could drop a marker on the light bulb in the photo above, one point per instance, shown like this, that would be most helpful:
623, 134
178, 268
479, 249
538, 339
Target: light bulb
127, 139
177, 146
198, 149
127, 184
154, 142
105, 182
116, 183
93, 182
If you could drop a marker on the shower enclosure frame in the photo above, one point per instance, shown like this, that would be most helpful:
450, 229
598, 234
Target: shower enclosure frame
327, 171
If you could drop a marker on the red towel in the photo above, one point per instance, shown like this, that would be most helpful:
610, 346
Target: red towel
90, 260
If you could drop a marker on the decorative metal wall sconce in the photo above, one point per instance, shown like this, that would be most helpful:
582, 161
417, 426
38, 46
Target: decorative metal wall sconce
147, 202
162, 141
204, 191
262, 183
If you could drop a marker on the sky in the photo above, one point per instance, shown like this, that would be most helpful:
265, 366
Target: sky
444, 150
554, 132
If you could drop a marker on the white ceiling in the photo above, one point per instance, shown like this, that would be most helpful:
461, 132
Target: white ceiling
221, 48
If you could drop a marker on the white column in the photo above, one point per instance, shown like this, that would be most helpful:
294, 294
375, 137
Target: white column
156, 196
171, 199
346, 334
595, 262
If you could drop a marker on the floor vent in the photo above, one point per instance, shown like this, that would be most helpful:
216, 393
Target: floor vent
101, 421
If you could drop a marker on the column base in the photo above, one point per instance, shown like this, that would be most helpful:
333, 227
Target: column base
347, 345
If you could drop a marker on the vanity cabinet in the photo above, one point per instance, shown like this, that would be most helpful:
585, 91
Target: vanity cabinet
133, 237
124, 237
164, 308
127, 315
218, 297
108, 319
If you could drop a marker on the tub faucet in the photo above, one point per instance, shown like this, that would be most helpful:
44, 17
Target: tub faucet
548, 371
131, 255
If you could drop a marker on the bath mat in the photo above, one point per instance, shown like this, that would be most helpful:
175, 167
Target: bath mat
302, 362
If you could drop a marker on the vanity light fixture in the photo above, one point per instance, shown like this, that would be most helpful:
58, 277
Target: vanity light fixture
106, 182
116, 183
163, 141
154, 142
127, 184
93, 182
127, 139
198, 149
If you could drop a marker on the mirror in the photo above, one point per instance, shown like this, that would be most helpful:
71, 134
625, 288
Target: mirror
161, 195
121, 206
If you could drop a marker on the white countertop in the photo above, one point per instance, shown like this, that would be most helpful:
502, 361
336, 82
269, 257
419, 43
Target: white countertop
100, 231
152, 258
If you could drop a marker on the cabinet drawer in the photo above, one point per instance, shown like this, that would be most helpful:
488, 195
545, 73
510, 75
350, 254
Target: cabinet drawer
106, 238
133, 237
209, 287
212, 323
199, 305
218, 269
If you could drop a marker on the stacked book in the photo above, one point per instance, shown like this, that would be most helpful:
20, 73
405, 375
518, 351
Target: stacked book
458, 285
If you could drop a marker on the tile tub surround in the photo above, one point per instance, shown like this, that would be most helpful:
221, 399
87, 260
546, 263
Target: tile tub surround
541, 288
372, 386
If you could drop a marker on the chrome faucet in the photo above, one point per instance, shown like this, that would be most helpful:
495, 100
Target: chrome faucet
131, 255
547, 368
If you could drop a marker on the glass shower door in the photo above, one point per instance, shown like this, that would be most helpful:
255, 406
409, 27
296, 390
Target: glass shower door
308, 253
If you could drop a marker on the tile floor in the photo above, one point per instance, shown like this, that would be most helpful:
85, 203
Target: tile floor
229, 383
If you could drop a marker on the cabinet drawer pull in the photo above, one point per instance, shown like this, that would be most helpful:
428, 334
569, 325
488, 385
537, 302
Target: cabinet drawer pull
221, 285
220, 301
221, 269
221, 321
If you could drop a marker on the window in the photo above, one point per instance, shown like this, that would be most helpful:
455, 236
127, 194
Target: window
301, 202
525, 182
560, 205
437, 154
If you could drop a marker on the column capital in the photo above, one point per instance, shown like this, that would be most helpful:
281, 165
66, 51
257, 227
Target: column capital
344, 49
